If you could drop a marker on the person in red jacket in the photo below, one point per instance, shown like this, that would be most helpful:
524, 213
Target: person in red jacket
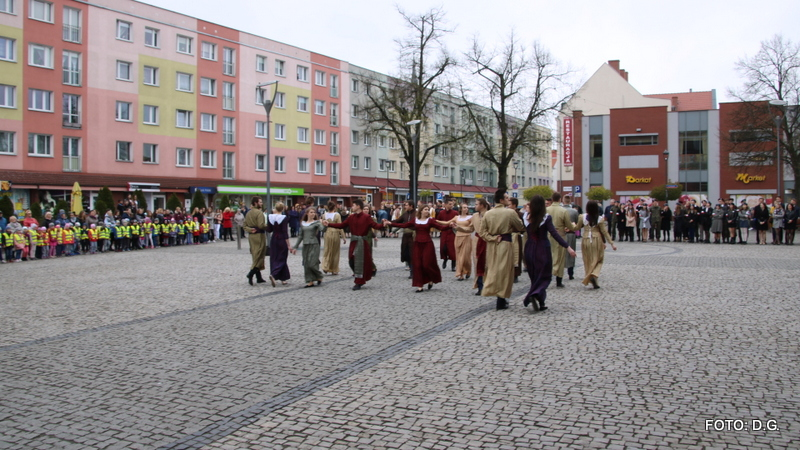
227, 224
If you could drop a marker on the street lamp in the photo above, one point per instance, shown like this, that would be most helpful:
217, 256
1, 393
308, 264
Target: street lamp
462, 172
268, 103
414, 145
666, 176
515, 163
778, 119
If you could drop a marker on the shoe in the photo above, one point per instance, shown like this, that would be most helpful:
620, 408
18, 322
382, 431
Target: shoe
410, 277
526, 301
559, 284
319, 282
272, 280
309, 285
250, 276
356, 287
467, 277
479, 292
430, 285
571, 277
593, 280
418, 291
536, 300
501, 304
444, 264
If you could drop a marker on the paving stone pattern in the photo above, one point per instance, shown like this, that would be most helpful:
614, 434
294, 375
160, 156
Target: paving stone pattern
171, 348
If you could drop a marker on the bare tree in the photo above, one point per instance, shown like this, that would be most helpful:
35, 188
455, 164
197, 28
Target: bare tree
521, 89
391, 104
772, 75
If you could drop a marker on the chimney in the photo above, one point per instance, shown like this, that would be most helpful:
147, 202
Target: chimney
614, 63
624, 74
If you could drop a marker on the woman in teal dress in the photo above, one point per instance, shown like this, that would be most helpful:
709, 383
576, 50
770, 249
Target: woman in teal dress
310, 229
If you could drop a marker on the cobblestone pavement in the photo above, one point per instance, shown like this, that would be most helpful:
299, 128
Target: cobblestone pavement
684, 346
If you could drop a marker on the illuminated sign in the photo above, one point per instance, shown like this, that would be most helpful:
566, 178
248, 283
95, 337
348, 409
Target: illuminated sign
746, 178
633, 180
568, 141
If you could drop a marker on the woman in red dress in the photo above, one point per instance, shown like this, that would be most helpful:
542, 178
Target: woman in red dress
424, 268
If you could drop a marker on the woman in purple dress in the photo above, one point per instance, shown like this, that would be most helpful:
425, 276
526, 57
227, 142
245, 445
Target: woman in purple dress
278, 225
424, 268
538, 256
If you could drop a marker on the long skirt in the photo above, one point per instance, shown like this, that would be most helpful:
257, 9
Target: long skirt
278, 254
539, 262
447, 245
311, 262
405, 247
330, 256
593, 251
463, 255
424, 268
480, 258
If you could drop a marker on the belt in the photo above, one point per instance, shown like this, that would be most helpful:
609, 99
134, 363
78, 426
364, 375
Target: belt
570, 232
259, 232
505, 237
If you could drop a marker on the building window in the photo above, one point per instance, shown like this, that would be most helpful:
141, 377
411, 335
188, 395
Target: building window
280, 132
319, 78
41, 56
334, 114
319, 107
381, 141
208, 122
71, 154
123, 71
334, 173
208, 86
183, 157
151, 37
8, 96
123, 112
353, 110
354, 162
228, 131
445, 172
43, 11
7, 143
334, 143
302, 134
228, 99
302, 73
280, 67
392, 142
261, 63
208, 51
319, 167
208, 159
279, 164
39, 100
638, 139
302, 165
184, 82
319, 137
40, 145
261, 129
437, 171
124, 151
302, 103
71, 25
228, 61
367, 139
228, 165
425, 170
7, 6
7, 46
382, 165
124, 31
150, 154
354, 85
354, 137
280, 100
150, 115
70, 111
150, 76
334, 86
183, 118
367, 163
71, 68
184, 44
260, 166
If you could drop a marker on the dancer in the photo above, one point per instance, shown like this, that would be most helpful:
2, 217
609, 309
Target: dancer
463, 243
496, 228
256, 226
447, 240
538, 254
278, 245
360, 253
570, 237
330, 256
593, 244
310, 227
562, 224
474, 225
424, 268
409, 214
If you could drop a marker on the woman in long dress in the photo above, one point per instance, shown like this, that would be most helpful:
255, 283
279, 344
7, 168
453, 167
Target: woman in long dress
310, 228
278, 225
538, 254
593, 243
424, 267
463, 243
330, 255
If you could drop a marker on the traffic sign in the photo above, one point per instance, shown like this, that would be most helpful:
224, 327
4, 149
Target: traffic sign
577, 189
515, 194
515, 186
672, 186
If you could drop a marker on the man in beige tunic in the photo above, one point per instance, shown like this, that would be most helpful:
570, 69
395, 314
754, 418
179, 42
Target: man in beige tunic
256, 224
496, 228
561, 223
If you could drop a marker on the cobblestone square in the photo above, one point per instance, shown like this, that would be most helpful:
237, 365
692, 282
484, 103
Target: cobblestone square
684, 346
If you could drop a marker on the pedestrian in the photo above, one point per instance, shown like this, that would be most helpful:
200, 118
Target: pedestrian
360, 253
294, 219
666, 222
644, 222
538, 254
593, 244
655, 222
761, 217
570, 236
496, 228
279, 245
562, 224
424, 268
610, 215
332, 248
256, 228
447, 240
717, 217
409, 214
790, 222
744, 221
731, 221
778, 214
310, 228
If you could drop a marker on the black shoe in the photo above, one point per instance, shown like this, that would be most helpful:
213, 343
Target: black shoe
502, 303
467, 277
516, 279
430, 285
479, 292
571, 277
453, 265
526, 301
537, 302
418, 291
356, 287
559, 284
250, 276
444, 264
593, 280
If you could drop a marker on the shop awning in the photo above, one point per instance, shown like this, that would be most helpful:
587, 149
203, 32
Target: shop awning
258, 190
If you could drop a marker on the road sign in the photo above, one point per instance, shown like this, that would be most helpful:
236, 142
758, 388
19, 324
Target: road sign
439, 196
515, 194
515, 186
672, 186
577, 190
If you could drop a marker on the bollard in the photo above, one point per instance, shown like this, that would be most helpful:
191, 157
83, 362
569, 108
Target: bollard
238, 237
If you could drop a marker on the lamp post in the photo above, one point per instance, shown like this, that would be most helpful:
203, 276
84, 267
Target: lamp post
666, 176
515, 163
462, 172
414, 146
268, 103
778, 120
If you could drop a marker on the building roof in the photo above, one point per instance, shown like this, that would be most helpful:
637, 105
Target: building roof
690, 101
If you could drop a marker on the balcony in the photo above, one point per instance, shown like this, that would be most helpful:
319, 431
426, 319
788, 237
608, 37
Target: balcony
595, 164
72, 33
334, 121
694, 162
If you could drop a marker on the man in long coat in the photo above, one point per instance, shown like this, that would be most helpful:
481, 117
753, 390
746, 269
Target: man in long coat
256, 224
496, 228
360, 253
569, 260
447, 240
561, 223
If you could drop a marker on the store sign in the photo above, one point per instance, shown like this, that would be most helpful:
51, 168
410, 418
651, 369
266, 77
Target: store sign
747, 178
568, 155
633, 180
258, 190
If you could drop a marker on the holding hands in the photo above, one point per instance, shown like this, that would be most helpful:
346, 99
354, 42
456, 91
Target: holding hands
571, 252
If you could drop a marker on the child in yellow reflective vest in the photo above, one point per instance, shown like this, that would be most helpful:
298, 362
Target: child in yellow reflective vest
67, 239
104, 242
204, 230
52, 239
93, 235
147, 230
33, 242
20, 244
8, 245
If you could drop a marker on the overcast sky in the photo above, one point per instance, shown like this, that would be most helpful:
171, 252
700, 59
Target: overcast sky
666, 47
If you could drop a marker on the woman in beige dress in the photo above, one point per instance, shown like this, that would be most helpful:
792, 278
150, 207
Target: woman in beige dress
463, 243
593, 242
330, 256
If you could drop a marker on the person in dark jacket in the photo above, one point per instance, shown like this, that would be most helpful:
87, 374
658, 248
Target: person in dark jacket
790, 222
731, 221
761, 216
